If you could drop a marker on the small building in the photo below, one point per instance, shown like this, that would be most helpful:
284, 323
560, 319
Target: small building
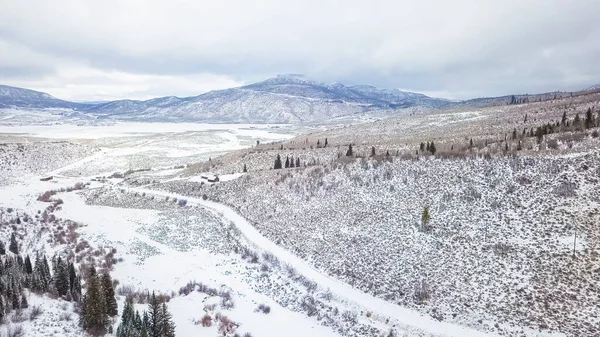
47, 178
213, 179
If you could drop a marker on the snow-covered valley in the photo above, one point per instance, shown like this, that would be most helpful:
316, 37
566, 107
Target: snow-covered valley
336, 246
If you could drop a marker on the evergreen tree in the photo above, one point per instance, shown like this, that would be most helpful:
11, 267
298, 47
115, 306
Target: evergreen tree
325, 142
425, 217
2, 308
563, 121
428, 147
297, 162
373, 151
432, 148
318, 143
154, 317
24, 304
349, 153
577, 121
72, 277
109, 295
245, 169
422, 147
28, 267
519, 146
166, 325
2, 248
387, 153
471, 143
277, 163
15, 300
14, 246
506, 146
292, 162
287, 162
514, 134
589, 119
94, 319
61, 277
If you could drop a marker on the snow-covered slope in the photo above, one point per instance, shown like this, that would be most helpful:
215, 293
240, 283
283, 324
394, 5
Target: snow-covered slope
283, 99
25, 98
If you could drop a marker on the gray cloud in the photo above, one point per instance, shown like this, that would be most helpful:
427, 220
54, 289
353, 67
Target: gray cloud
462, 48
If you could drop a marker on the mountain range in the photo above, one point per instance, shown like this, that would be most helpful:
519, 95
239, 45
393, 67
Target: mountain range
283, 99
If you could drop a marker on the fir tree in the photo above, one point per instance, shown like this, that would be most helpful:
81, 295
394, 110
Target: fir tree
24, 304
577, 121
471, 143
15, 300
589, 119
292, 162
387, 153
28, 267
94, 319
349, 153
325, 142
297, 162
519, 146
72, 277
287, 162
14, 246
154, 317
61, 277
428, 147
166, 325
277, 165
318, 143
2, 248
109, 295
514, 134
2, 309
422, 147
373, 151
244, 169
432, 148
563, 121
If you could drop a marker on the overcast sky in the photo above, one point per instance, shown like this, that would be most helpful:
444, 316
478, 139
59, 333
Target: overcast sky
111, 49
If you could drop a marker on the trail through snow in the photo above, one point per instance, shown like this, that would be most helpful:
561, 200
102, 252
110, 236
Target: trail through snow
344, 291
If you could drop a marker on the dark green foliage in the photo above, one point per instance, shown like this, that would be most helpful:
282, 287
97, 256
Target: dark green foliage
2, 248
277, 165
349, 153
287, 162
166, 326
325, 142
93, 318
563, 121
24, 304
471, 143
373, 151
28, 266
589, 119
432, 148
153, 316
297, 162
292, 162
109, 295
244, 169
514, 134
422, 147
14, 246
61, 277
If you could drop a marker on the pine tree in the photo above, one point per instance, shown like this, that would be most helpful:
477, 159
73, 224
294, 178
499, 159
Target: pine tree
372, 151
61, 277
506, 146
471, 143
563, 121
15, 300
94, 319
589, 119
432, 148
166, 327
245, 169
109, 295
72, 277
519, 148
24, 304
28, 267
14, 246
577, 121
514, 134
325, 142
349, 153
318, 143
154, 317
428, 147
292, 162
387, 153
277, 165
297, 162
2, 248
422, 147
287, 162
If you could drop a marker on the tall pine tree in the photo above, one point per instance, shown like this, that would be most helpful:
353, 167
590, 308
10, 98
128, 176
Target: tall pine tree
109, 295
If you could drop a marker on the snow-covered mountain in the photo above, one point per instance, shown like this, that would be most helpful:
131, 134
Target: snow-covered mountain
285, 98
24, 98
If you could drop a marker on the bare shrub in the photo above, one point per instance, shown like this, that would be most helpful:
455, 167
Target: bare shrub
553, 144
566, 189
206, 321
422, 292
15, 331
350, 316
309, 305
226, 326
36, 311
64, 317
501, 248
18, 317
265, 309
